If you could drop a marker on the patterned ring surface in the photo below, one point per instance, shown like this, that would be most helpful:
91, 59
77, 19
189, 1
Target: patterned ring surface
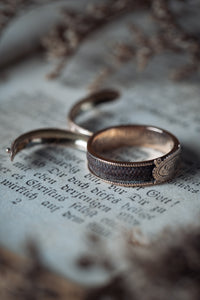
149, 172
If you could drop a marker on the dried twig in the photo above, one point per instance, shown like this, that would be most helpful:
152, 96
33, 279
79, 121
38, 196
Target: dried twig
169, 37
177, 38
9, 9
64, 40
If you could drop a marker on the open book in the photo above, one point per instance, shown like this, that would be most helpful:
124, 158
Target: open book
48, 194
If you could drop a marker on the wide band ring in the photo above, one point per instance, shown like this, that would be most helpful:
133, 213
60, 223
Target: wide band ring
128, 173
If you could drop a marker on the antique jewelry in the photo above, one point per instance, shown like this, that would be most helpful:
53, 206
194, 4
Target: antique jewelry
48, 136
149, 172
140, 173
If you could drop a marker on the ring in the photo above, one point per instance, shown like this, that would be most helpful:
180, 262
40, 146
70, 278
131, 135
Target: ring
101, 144
149, 172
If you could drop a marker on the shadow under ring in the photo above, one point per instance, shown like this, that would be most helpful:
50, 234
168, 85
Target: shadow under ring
125, 173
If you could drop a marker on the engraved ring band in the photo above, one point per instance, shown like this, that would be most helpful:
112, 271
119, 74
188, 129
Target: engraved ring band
99, 144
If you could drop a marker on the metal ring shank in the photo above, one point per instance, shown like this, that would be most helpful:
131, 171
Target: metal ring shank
48, 136
140, 173
85, 105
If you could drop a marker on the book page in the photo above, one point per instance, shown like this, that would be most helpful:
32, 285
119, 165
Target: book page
48, 195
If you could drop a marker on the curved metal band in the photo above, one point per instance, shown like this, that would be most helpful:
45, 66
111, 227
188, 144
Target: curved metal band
86, 104
48, 136
76, 136
141, 173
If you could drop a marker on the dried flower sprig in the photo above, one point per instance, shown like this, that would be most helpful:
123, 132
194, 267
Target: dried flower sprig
64, 39
9, 9
169, 37
177, 38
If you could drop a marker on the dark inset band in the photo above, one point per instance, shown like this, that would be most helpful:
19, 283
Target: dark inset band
126, 173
